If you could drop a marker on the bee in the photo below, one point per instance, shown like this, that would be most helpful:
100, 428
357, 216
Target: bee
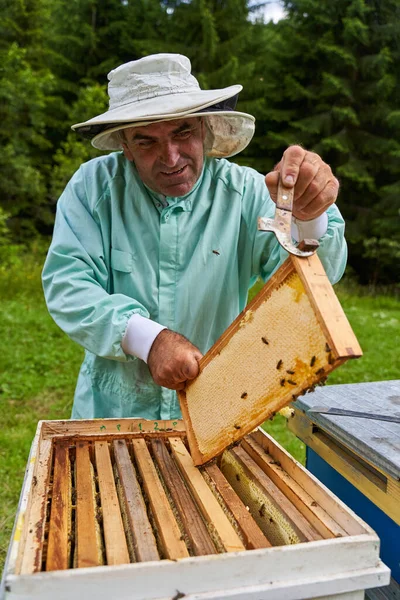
237, 477
320, 371
279, 364
262, 510
290, 372
283, 382
331, 360
237, 426
312, 362
216, 252
327, 348
291, 382
265, 340
244, 395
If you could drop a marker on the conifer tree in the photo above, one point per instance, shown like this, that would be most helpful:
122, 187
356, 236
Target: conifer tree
26, 95
334, 75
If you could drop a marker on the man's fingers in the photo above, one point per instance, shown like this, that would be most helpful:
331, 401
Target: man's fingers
309, 180
191, 368
173, 360
271, 181
290, 165
315, 186
311, 184
318, 205
288, 169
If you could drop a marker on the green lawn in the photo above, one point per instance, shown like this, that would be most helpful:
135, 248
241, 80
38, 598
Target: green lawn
39, 365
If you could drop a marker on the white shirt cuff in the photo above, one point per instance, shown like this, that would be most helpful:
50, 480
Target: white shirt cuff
140, 335
314, 229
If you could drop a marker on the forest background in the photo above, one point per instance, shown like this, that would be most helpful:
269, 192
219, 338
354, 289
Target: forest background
325, 76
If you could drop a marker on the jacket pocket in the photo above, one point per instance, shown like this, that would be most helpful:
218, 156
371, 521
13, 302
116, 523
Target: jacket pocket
121, 261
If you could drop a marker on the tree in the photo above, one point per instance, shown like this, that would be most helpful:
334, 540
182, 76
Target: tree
335, 90
26, 95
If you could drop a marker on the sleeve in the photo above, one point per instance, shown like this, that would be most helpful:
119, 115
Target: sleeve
140, 335
268, 254
75, 279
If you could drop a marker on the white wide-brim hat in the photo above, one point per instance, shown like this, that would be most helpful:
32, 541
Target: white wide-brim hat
160, 87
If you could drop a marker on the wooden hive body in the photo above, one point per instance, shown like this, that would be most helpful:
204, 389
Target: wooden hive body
287, 340
118, 509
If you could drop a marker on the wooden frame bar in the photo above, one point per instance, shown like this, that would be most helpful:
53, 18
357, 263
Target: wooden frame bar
58, 549
212, 511
301, 499
170, 535
33, 530
88, 549
251, 532
114, 534
144, 543
188, 512
300, 525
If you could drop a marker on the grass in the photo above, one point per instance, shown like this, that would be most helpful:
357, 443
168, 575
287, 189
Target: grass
39, 366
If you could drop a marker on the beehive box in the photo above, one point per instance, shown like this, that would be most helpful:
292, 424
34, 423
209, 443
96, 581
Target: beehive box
117, 509
285, 342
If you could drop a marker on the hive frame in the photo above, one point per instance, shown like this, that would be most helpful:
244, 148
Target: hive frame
197, 400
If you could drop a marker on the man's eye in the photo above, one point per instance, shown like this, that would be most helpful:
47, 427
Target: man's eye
145, 143
183, 135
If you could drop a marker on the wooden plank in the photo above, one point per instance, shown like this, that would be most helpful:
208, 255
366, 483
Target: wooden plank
144, 543
300, 525
209, 506
352, 468
283, 349
30, 554
111, 427
304, 503
59, 544
288, 573
252, 534
324, 497
194, 525
169, 533
114, 535
88, 551
332, 318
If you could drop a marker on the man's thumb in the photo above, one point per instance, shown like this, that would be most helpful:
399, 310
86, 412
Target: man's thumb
191, 368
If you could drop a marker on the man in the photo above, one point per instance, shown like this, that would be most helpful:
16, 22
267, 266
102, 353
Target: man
160, 241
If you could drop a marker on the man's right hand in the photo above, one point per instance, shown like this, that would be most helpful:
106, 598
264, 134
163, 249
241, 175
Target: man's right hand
173, 360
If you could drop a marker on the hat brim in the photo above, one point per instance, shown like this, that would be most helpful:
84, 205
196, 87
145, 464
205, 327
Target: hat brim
229, 132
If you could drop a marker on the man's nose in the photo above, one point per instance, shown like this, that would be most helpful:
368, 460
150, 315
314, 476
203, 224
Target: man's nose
169, 153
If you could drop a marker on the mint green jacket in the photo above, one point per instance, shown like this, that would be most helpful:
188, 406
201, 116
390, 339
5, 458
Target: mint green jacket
118, 248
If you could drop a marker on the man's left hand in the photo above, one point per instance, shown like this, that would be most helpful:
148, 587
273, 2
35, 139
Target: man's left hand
315, 187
